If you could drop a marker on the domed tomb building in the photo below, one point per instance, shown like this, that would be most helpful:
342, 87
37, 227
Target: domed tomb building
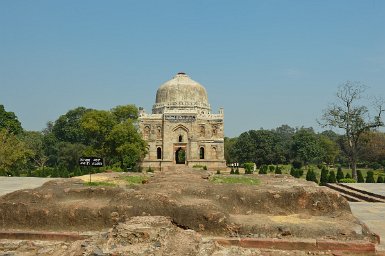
181, 129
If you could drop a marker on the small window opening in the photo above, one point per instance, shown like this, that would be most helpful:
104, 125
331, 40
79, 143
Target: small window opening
159, 153
180, 138
202, 153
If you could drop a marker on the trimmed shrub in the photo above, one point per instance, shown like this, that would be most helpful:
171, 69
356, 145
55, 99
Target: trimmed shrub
370, 177
297, 164
324, 177
380, 179
340, 174
332, 177
236, 171
360, 177
204, 167
271, 168
278, 170
263, 169
311, 176
347, 180
248, 168
348, 176
232, 171
296, 173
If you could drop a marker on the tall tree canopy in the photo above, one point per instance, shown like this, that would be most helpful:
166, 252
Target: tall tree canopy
353, 118
9, 121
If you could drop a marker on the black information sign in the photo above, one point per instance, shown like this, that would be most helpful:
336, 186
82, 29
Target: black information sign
91, 161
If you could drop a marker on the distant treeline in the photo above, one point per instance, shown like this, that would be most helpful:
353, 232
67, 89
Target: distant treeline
56, 150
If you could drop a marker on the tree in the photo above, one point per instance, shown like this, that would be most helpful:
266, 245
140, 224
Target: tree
125, 145
230, 156
373, 148
306, 146
380, 179
330, 149
97, 124
13, 153
352, 118
34, 142
68, 127
9, 121
122, 113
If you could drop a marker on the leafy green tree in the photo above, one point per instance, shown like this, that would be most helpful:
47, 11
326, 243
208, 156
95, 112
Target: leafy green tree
380, 179
9, 121
332, 177
330, 149
97, 125
230, 156
125, 145
34, 142
311, 176
370, 177
352, 118
306, 146
69, 153
284, 140
123, 113
68, 127
360, 177
340, 174
13, 153
373, 148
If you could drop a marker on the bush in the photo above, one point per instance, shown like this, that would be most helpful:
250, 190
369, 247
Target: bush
236, 171
278, 170
347, 180
324, 177
271, 168
360, 177
263, 169
370, 177
348, 176
311, 176
248, 168
218, 172
297, 164
380, 179
375, 166
340, 174
332, 177
232, 170
204, 167
296, 172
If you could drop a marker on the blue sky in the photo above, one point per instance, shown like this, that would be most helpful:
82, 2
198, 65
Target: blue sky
266, 62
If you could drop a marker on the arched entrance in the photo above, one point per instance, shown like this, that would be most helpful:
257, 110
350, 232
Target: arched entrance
180, 156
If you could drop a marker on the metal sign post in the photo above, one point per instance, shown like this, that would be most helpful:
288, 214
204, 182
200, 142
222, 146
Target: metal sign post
91, 162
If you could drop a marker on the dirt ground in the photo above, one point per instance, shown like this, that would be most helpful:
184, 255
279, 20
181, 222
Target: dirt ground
193, 207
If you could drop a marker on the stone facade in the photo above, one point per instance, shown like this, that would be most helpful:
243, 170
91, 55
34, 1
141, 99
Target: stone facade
181, 129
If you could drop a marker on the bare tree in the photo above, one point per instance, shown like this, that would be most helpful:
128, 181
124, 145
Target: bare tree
353, 118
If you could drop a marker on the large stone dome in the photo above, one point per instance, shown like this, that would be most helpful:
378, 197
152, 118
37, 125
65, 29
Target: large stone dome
181, 93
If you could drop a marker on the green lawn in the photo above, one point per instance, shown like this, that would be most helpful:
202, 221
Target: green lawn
100, 183
235, 179
134, 179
